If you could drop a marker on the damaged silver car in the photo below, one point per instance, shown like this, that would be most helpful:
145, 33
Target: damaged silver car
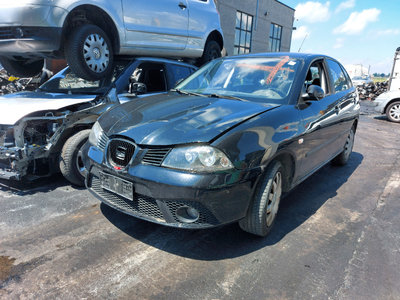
42, 132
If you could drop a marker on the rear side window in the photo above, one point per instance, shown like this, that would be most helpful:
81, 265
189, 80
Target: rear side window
339, 79
179, 73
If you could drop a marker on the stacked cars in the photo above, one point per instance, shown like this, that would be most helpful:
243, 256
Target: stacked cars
90, 33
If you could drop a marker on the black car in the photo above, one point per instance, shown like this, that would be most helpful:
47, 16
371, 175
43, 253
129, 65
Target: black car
226, 143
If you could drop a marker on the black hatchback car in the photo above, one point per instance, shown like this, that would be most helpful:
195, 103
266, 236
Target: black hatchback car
226, 143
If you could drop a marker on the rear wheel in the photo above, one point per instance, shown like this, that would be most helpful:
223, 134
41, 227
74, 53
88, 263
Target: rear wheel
22, 67
343, 157
71, 158
262, 213
89, 52
212, 50
393, 112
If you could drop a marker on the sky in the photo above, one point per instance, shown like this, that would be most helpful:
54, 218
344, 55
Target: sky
352, 31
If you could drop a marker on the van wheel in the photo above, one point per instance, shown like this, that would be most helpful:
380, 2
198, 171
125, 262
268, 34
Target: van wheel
212, 50
22, 67
393, 112
343, 157
71, 159
89, 52
262, 213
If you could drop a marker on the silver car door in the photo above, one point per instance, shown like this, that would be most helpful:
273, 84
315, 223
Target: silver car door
157, 24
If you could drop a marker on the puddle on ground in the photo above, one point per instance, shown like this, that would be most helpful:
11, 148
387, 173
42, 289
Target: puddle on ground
6, 264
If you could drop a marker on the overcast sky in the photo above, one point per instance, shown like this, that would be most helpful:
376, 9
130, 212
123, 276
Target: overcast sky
353, 31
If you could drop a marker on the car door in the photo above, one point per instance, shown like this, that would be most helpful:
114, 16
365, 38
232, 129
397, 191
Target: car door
158, 24
320, 122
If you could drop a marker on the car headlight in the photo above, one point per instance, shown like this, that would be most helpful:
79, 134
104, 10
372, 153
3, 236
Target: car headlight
197, 159
95, 134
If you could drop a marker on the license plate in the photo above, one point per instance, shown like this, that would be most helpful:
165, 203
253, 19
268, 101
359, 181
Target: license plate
117, 185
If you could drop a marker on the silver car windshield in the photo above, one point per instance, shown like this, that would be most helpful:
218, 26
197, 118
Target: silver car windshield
68, 82
255, 79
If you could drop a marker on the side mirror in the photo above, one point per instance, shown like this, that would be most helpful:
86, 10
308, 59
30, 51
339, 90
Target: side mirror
314, 92
137, 88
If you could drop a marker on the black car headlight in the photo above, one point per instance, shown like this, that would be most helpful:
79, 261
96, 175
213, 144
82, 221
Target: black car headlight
95, 134
197, 159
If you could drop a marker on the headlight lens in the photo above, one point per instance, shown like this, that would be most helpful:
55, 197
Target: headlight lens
95, 134
197, 159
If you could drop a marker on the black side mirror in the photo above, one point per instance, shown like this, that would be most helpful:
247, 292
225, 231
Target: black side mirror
314, 92
137, 88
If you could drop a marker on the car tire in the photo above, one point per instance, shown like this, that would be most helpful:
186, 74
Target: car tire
211, 51
261, 214
22, 67
71, 162
89, 52
393, 112
343, 157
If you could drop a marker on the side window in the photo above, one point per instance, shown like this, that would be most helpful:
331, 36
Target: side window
316, 75
179, 73
339, 80
152, 75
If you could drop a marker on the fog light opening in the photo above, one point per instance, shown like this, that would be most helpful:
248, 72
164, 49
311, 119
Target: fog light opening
186, 214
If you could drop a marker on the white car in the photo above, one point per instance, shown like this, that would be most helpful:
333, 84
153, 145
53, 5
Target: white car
389, 103
88, 33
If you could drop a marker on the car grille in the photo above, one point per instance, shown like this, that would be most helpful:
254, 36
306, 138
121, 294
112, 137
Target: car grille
147, 207
155, 157
141, 205
120, 152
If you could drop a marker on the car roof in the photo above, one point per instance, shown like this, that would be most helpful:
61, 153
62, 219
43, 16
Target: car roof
295, 55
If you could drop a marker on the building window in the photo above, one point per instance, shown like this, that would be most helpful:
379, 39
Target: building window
243, 31
275, 37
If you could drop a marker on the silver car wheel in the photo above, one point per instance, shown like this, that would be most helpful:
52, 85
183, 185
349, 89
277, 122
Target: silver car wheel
394, 112
96, 53
274, 197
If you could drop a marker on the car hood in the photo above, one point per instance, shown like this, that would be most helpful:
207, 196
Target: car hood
13, 107
170, 119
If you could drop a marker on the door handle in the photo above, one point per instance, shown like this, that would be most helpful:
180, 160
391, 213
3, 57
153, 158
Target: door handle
182, 5
337, 108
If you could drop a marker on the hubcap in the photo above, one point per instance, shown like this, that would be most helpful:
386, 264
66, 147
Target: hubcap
274, 198
395, 112
96, 53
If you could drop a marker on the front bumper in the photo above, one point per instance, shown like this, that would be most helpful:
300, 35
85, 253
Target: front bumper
29, 29
380, 107
160, 192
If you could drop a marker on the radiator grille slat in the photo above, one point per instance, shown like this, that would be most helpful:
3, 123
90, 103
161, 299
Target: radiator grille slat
155, 157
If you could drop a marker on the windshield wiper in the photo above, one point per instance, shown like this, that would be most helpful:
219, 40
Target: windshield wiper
188, 93
226, 97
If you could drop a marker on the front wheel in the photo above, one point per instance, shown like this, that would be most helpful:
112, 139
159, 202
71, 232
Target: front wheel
89, 52
343, 157
393, 112
71, 158
262, 213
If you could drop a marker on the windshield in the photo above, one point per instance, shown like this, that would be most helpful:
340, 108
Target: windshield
253, 78
67, 82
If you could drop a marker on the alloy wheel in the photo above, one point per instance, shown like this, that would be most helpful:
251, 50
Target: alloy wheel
274, 197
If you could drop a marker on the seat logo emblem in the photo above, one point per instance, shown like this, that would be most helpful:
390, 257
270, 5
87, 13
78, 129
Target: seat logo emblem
120, 153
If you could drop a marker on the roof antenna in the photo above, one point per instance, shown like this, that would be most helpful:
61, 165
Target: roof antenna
303, 42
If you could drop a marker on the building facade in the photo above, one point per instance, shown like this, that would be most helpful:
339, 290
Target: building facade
256, 25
